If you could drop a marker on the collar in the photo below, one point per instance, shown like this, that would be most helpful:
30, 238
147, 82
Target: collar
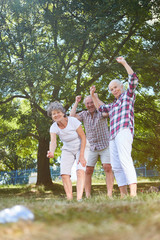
94, 111
119, 97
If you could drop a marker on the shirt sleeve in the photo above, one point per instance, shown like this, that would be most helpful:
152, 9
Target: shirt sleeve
75, 122
53, 128
81, 115
133, 82
105, 108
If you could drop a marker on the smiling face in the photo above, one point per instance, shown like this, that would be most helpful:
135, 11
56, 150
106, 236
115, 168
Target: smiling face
57, 115
116, 88
89, 104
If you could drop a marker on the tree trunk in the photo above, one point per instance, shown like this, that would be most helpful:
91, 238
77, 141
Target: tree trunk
43, 171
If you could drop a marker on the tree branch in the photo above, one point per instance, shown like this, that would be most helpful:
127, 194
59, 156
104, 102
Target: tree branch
33, 135
11, 98
35, 104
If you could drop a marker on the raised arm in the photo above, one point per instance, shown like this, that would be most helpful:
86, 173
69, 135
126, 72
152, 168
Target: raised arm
132, 78
97, 102
125, 64
53, 145
73, 110
83, 144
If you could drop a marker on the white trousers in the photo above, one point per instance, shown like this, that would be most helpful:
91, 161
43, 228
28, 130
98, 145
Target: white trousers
121, 160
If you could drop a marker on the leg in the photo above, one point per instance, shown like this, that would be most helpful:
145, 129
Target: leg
106, 163
67, 161
80, 183
67, 186
109, 178
88, 180
123, 191
124, 141
117, 168
133, 189
91, 158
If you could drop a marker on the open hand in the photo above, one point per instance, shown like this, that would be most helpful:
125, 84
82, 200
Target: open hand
82, 160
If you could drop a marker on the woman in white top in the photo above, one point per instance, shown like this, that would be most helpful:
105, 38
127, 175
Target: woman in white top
70, 132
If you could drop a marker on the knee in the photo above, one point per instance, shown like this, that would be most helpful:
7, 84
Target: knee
65, 176
107, 168
80, 173
89, 170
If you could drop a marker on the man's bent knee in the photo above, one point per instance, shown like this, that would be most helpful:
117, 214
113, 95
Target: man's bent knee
89, 170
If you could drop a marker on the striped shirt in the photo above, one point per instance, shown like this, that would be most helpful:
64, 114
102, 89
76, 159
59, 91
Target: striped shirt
96, 129
121, 111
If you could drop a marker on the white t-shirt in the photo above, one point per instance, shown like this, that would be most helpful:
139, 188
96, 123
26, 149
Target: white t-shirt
68, 135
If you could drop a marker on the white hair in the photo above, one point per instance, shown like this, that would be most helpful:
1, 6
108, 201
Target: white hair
118, 82
84, 101
55, 106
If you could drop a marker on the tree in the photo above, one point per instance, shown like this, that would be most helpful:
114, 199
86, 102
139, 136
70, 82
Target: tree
54, 50
16, 151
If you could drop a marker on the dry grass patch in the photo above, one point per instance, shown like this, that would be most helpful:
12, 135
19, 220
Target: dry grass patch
98, 218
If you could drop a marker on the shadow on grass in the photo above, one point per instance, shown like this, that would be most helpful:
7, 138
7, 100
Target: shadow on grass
58, 190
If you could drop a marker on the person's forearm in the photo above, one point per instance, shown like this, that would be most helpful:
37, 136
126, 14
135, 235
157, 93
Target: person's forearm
128, 68
100, 103
52, 147
73, 110
83, 145
97, 102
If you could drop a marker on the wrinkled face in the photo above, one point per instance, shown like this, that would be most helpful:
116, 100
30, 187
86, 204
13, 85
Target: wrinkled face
57, 115
116, 89
89, 104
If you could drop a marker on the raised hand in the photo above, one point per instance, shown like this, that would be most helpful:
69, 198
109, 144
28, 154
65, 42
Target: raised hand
121, 60
125, 64
78, 98
92, 90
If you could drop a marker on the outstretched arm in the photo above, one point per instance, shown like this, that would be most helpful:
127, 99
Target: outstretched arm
73, 110
53, 145
125, 64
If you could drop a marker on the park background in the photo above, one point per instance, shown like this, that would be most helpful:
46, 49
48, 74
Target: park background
55, 50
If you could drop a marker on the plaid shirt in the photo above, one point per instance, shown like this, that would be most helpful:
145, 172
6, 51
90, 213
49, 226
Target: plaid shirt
96, 129
121, 111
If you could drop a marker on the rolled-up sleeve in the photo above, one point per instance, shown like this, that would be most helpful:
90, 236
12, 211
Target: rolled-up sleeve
104, 108
133, 83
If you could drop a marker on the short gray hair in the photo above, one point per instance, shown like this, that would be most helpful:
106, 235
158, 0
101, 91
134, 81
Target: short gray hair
118, 82
55, 106
84, 101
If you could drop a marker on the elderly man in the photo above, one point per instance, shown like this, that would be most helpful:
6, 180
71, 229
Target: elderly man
121, 113
96, 127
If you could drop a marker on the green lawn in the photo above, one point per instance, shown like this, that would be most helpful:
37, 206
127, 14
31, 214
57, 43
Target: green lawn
97, 218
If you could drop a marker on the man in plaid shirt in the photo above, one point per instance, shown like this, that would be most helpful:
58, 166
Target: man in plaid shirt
121, 113
96, 127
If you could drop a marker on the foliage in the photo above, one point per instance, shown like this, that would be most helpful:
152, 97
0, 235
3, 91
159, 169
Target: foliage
55, 50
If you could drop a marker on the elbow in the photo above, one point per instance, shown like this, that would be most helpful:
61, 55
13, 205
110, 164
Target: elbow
72, 114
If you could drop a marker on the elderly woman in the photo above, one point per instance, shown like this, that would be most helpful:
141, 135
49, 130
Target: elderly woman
70, 132
121, 113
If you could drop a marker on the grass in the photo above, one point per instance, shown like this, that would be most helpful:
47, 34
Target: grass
97, 218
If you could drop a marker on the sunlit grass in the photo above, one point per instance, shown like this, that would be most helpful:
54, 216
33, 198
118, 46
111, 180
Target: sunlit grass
97, 218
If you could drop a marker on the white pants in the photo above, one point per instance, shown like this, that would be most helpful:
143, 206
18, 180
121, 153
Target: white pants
121, 160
